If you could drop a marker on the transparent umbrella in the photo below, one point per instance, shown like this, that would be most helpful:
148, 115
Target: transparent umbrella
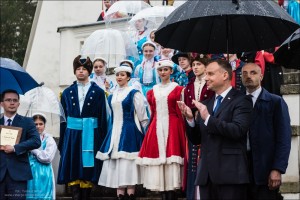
109, 44
43, 100
125, 8
155, 14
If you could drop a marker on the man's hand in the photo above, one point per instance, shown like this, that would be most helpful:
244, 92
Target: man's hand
7, 148
202, 109
274, 180
185, 110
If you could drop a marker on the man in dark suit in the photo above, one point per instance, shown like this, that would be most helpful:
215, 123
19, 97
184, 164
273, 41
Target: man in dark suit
269, 137
222, 129
14, 164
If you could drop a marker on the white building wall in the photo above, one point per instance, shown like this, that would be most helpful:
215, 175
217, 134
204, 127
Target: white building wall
44, 57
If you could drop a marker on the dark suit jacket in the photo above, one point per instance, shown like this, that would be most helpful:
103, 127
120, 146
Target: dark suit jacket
223, 141
270, 136
17, 163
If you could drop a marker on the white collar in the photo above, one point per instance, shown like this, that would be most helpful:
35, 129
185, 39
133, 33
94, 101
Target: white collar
223, 94
256, 93
6, 118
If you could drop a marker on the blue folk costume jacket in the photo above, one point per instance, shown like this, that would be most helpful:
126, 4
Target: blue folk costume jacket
124, 139
82, 135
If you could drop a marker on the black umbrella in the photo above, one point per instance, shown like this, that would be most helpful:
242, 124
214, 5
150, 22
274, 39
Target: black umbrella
288, 55
220, 26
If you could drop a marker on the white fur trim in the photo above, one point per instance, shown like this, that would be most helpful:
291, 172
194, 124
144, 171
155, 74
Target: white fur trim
159, 161
125, 155
102, 156
175, 159
161, 94
116, 102
123, 68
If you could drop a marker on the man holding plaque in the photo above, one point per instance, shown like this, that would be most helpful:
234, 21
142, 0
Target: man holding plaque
18, 136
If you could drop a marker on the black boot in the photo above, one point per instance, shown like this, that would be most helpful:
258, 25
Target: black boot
76, 192
121, 197
131, 197
85, 193
171, 195
164, 195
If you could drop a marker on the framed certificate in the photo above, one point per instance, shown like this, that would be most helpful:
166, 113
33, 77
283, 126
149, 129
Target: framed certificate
10, 135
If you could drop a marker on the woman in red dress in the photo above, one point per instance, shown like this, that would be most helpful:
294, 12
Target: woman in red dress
163, 149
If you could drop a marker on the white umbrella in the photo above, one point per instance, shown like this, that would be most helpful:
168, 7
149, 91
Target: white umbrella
108, 44
152, 13
43, 100
125, 8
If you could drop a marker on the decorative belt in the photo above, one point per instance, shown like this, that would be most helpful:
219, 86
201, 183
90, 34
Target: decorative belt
87, 125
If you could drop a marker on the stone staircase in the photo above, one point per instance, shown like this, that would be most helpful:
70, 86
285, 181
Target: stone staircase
290, 90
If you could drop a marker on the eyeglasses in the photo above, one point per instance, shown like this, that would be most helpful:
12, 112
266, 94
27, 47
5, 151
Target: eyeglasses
12, 100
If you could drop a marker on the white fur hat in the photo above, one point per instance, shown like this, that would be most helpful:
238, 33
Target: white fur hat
100, 58
39, 113
129, 61
123, 68
149, 42
164, 63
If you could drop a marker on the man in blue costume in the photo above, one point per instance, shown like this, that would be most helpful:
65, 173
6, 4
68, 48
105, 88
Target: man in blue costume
81, 136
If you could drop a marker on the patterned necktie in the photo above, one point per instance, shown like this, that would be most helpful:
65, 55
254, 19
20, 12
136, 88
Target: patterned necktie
9, 122
219, 99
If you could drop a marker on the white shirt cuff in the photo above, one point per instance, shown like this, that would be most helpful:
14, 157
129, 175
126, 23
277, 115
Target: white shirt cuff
191, 123
206, 120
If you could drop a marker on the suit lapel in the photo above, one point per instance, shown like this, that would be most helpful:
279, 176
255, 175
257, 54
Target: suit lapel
225, 102
210, 104
16, 121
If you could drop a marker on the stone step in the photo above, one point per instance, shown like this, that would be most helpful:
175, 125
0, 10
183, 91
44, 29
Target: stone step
291, 78
290, 89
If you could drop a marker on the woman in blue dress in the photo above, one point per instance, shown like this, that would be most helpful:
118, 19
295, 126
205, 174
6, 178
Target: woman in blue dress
146, 70
42, 186
123, 141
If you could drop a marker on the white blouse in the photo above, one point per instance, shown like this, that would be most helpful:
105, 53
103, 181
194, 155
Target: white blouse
46, 155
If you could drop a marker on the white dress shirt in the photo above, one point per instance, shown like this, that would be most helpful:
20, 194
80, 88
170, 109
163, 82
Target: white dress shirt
6, 118
82, 91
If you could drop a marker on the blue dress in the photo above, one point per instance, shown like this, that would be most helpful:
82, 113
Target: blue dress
123, 141
42, 186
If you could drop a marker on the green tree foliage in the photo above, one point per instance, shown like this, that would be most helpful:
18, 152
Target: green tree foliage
16, 20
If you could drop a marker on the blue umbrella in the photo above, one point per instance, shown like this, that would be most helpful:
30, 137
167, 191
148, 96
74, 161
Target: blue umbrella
13, 76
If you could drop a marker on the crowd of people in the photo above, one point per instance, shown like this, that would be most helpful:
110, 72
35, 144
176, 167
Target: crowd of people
201, 123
